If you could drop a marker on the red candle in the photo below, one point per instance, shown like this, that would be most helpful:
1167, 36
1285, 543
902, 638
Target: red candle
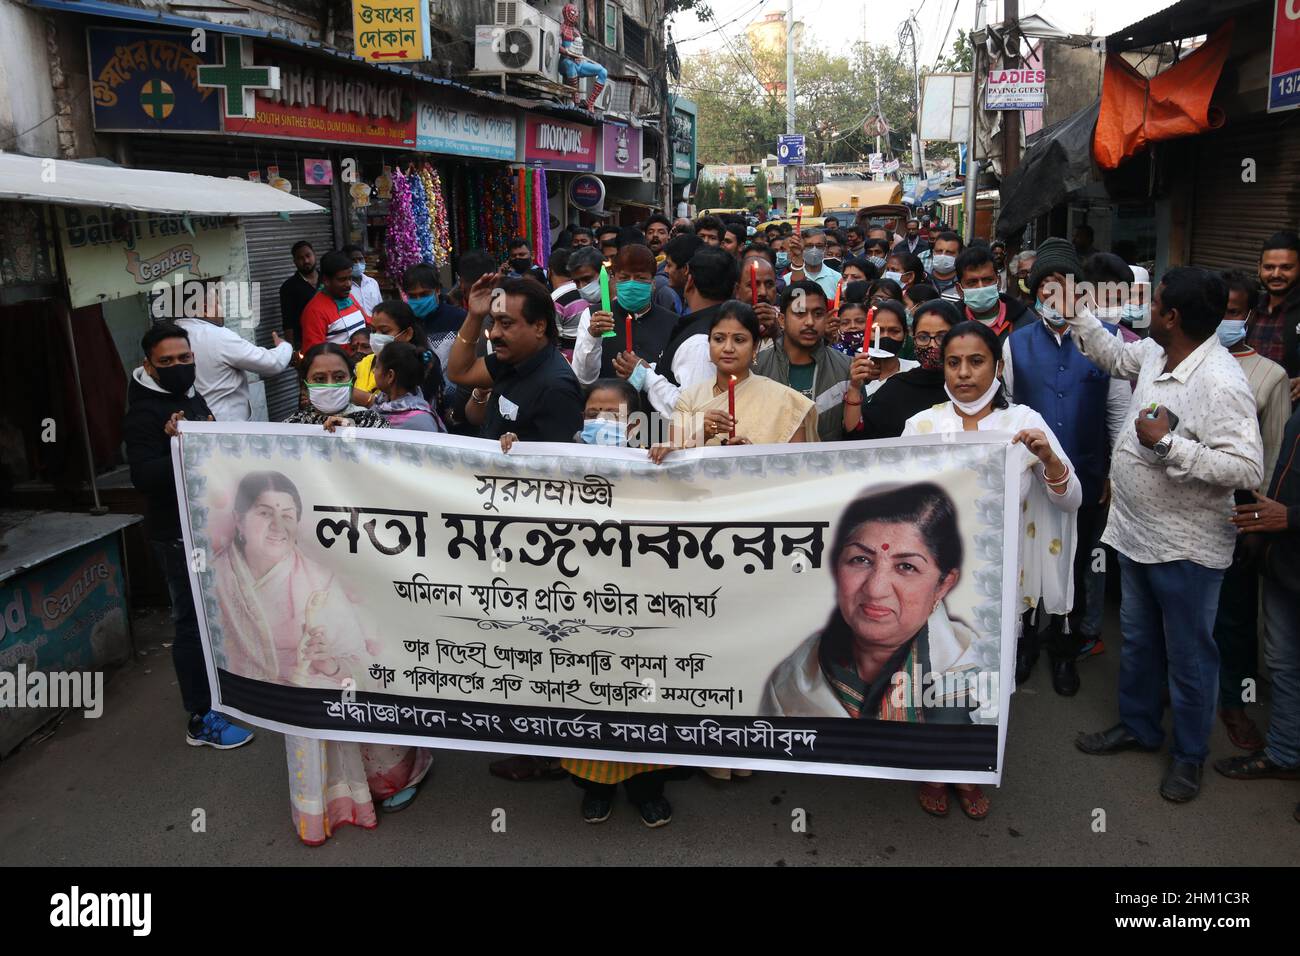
839, 287
753, 282
629, 333
866, 333
731, 404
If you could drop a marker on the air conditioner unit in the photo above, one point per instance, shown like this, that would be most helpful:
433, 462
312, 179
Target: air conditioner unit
514, 13
533, 50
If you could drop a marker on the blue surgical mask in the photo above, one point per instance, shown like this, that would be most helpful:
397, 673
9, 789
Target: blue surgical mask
1052, 317
422, 305
944, 264
814, 256
604, 431
783, 260
591, 291
634, 295
358, 270
877, 261
1231, 331
981, 300
894, 277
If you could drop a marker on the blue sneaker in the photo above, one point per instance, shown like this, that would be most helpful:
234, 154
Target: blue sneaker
214, 730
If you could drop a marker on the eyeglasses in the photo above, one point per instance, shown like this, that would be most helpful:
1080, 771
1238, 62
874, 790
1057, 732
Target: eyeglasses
924, 339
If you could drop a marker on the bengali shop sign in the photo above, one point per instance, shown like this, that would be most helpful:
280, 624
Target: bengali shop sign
391, 30
555, 144
460, 131
407, 588
326, 106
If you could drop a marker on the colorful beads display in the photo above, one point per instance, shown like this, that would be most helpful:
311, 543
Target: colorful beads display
401, 244
420, 216
437, 200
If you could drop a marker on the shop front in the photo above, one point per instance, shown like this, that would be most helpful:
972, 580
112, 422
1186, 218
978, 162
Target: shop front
629, 195
561, 151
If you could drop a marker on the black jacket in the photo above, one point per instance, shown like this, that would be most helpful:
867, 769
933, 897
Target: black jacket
1282, 554
902, 396
149, 450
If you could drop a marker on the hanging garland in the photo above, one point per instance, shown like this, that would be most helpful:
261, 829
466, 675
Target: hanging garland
420, 216
437, 200
543, 218
401, 244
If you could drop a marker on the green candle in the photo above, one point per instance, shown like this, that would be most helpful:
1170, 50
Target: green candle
604, 298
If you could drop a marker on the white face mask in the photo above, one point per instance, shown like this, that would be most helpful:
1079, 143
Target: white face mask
330, 399
591, 291
379, 341
972, 408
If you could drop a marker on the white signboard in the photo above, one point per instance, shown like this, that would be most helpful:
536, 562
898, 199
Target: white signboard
945, 107
1015, 90
876, 162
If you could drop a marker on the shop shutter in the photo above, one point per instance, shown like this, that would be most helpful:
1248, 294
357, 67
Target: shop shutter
270, 240
1231, 219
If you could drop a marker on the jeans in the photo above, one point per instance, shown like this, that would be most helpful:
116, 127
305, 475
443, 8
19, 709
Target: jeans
1235, 632
1282, 656
187, 647
1089, 574
1167, 618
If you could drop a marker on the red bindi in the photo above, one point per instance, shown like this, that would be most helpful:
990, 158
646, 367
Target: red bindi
884, 547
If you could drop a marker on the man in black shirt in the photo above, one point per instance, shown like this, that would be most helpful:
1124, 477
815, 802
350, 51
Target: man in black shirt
535, 395
299, 289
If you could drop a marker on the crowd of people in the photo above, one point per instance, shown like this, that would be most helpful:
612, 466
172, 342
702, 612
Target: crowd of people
1153, 419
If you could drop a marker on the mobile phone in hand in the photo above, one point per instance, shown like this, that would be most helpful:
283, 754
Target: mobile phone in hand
1244, 497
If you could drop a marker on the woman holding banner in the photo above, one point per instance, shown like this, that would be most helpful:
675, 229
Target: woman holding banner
738, 407
286, 619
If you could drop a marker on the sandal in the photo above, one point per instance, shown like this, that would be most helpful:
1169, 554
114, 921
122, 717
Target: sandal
522, 768
398, 801
933, 798
1256, 766
1242, 731
967, 800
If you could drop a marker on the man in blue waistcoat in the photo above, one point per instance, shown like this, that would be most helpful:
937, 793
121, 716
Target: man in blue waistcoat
1086, 409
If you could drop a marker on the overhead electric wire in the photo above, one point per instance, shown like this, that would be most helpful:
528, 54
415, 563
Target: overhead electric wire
701, 36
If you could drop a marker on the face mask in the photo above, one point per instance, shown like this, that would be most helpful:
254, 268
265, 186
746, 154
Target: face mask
887, 344
634, 295
971, 408
604, 431
343, 303
894, 277
929, 357
981, 300
591, 291
421, 306
378, 341
176, 379
1133, 315
521, 265
330, 399
877, 261
944, 264
1053, 318
783, 260
814, 257
1231, 331
358, 270
833, 263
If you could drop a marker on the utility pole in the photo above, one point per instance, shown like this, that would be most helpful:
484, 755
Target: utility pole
972, 139
791, 171
916, 98
665, 125
1011, 118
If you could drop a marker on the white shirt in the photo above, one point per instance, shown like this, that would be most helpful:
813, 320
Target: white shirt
367, 293
904, 365
1177, 509
691, 364
587, 351
221, 357
1047, 527
1117, 397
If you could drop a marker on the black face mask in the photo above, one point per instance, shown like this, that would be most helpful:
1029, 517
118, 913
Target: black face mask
176, 379
890, 345
833, 263
521, 265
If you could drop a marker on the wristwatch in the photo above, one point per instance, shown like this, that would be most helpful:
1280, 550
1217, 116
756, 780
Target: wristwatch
1161, 448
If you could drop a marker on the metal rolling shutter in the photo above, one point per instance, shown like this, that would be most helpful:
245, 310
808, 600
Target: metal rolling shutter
269, 240
1230, 218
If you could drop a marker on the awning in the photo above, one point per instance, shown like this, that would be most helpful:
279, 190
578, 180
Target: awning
69, 183
1058, 163
1179, 21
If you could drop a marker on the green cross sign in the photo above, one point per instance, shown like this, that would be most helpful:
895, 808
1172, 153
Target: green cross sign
156, 96
237, 77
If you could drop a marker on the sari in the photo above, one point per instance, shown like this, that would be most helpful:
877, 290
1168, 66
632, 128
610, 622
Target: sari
767, 412
266, 624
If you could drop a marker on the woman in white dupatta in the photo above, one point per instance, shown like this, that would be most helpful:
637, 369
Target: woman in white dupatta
287, 620
1050, 492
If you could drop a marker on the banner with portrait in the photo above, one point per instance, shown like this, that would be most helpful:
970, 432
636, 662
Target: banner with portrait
842, 609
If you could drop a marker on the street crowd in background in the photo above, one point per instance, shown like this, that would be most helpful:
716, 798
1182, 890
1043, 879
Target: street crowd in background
1152, 419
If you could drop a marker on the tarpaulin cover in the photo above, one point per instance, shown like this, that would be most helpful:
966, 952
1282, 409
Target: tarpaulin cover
1136, 111
1057, 164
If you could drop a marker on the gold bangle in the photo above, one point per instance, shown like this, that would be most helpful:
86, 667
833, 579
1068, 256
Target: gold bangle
462, 338
473, 397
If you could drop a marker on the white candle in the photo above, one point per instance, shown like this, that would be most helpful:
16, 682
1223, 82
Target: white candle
877, 345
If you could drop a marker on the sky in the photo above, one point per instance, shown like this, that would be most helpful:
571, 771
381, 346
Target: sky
836, 24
